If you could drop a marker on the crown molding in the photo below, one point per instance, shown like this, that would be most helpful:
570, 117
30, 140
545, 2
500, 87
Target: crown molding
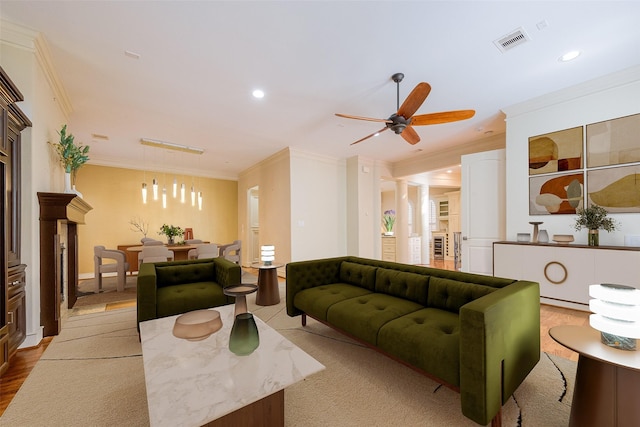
447, 157
23, 38
609, 81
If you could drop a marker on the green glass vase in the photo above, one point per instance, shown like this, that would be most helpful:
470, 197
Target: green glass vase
244, 337
594, 238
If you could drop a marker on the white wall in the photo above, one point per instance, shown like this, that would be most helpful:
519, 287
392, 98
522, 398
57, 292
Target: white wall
609, 97
272, 176
318, 206
27, 67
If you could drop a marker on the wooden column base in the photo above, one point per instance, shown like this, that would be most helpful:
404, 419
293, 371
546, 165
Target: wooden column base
605, 395
266, 412
268, 292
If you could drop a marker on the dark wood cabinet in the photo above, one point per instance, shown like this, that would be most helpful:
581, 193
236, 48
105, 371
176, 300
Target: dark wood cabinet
12, 272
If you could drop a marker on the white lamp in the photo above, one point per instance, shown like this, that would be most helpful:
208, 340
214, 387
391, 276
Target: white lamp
268, 254
182, 193
616, 314
175, 188
199, 200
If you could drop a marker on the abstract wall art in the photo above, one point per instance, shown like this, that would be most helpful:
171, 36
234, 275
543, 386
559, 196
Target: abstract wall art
615, 189
559, 151
555, 194
614, 142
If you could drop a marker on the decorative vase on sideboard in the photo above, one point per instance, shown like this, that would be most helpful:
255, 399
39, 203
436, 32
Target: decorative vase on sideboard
594, 237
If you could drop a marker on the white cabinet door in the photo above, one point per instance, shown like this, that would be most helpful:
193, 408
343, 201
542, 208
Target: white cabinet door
482, 209
621, 267
507, 261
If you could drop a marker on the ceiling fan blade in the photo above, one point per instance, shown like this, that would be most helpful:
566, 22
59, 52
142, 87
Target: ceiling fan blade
346, 116
443, 117
369, 136
410, 135
414, 100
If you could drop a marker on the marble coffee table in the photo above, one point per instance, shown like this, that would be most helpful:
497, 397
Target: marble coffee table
195, 383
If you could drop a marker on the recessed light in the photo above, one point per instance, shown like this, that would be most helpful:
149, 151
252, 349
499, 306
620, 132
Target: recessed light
376, 134
258, 93
449, 171
569, 56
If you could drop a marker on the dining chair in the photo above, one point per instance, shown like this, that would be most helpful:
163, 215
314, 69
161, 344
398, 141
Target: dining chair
231, 251
154, 254
120, 266
148, 241
206, 251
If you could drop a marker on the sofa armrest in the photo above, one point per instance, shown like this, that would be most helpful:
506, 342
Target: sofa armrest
499, 346
146, 292
227, 273
302, 275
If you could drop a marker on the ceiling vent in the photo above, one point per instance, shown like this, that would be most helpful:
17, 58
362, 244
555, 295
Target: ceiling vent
511, 40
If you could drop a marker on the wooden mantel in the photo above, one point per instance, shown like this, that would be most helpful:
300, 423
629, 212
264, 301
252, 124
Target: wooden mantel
57, 208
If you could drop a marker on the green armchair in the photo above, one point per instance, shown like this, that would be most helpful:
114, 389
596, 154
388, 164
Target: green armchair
176, 287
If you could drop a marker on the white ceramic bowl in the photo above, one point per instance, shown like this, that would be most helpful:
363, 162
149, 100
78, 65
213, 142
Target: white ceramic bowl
563, 239
524, 237
197, 325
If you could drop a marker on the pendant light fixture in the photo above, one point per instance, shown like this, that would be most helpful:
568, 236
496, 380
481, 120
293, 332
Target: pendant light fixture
144, 193
164, 197
182, 191
175, 187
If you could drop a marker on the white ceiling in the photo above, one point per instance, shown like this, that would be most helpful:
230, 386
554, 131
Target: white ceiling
200, 61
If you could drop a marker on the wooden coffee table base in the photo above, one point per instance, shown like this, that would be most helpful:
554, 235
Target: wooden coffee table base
266, 412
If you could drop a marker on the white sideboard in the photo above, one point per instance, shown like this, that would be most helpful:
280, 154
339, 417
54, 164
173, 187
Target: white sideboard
566, 271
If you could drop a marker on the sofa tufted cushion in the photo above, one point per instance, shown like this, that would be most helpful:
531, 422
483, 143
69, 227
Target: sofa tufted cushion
426, 339
411, 286
450, 295
182, 298
358, 274
364, 315
169, 275
316, 301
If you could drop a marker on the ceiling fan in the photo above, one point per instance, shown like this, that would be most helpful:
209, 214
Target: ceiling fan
403, 120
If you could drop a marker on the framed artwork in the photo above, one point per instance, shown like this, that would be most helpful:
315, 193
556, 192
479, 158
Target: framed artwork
555, 194
615, 189
614, 142
559, 151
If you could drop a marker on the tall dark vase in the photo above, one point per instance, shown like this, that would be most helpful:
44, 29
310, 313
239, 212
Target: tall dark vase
244, 337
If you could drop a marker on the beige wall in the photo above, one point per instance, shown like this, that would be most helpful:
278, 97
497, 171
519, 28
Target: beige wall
114, 194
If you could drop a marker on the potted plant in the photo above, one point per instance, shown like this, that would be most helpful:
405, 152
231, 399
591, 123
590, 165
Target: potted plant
171, 232
72, 157
594, 218
388, 220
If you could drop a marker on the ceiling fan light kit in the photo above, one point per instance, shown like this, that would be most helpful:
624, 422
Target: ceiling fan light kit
403, 121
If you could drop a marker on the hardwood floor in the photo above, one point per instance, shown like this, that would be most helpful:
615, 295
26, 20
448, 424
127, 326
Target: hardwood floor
24, 360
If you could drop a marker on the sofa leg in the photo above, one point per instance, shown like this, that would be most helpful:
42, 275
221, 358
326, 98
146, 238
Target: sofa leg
304, 319
497, 419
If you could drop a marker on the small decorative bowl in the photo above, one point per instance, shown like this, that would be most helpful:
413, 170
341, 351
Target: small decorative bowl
197, 325
524, 237
563, 239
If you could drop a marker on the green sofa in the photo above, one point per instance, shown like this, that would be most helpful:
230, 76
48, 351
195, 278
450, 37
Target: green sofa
175, 287
478, 334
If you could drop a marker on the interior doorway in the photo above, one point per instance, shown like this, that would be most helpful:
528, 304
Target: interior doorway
254, 224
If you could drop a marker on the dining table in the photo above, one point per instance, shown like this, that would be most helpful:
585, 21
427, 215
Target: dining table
180, 252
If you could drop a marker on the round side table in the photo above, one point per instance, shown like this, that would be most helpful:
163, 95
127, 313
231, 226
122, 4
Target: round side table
268, 291
607, 379
240, 292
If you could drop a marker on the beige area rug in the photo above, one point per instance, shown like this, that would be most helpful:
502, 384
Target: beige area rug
92, 375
